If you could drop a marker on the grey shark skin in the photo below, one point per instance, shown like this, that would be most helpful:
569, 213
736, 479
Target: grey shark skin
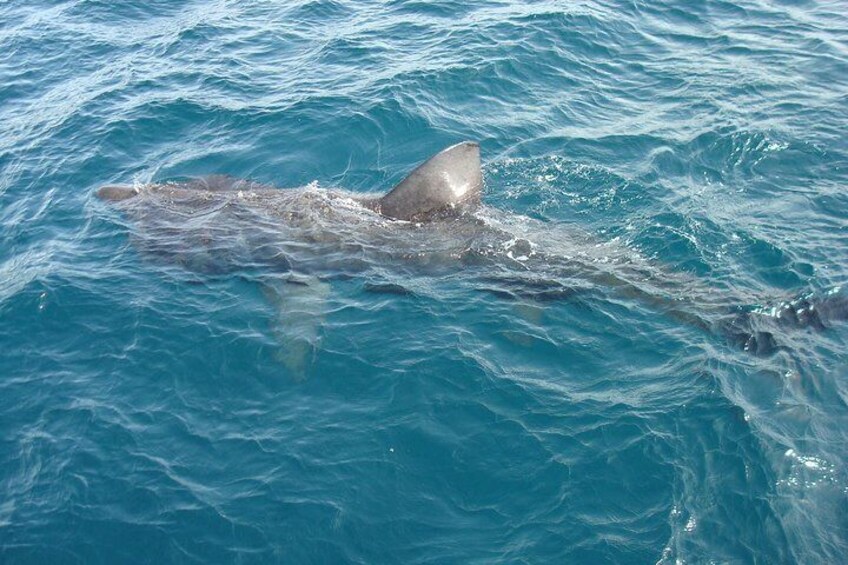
442, 185
431, 223
450, 179
218, 224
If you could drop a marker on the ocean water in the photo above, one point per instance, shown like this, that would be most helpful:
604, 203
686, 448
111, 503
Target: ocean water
150, 412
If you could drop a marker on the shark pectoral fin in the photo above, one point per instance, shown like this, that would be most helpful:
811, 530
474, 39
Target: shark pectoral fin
449, 179
531, 311
301, 307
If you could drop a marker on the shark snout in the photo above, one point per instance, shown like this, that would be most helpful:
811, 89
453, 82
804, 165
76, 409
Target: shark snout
116, 192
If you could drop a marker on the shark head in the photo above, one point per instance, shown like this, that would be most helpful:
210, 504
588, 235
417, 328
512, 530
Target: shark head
447, 183
451, 180
116, 193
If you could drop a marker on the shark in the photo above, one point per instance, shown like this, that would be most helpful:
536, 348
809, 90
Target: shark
433, 223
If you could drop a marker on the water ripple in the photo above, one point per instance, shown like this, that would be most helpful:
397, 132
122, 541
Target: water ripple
516, 407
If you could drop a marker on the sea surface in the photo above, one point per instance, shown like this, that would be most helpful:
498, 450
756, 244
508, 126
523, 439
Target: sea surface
151, 413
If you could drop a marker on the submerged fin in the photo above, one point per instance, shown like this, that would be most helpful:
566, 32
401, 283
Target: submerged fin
448, 180
300, 304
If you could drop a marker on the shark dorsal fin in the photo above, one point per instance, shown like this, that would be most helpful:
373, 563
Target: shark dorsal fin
450, 179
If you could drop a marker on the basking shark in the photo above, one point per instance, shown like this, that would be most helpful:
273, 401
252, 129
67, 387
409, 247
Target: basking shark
433, 222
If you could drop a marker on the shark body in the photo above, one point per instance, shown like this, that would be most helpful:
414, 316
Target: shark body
432, 223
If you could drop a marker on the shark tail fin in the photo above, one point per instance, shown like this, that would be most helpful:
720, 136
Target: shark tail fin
449, 180
755, 331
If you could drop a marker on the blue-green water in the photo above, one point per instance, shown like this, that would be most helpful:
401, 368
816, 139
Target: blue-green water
146, 414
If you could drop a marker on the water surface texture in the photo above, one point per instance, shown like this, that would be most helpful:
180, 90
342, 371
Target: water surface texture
157, 410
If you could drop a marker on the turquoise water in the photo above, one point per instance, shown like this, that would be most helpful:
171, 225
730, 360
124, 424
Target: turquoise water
149, 413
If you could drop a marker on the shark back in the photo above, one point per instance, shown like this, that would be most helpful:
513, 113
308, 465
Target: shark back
450, 180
